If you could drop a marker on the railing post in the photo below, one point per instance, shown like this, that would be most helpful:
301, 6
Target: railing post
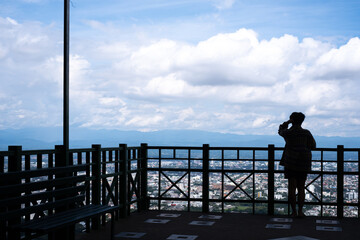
205, 189
14, 164
358, 162
102, 162
62, 161
124, 181
271, 159
117, 165
2, 208
96, 182
15, 159
340, 181
143, 178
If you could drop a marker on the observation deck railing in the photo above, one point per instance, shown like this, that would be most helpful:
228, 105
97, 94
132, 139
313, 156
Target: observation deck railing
250, 180
206, 179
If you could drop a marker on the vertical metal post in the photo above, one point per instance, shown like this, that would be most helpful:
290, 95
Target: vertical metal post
271, 159
96, 182
205, 203
124, 180
60, 158
2, 164
103, 183
14, 162
358, 205
66, 76
116, 179
88, 188
14, 166
2, 208
62, 161
143, 178
340, 181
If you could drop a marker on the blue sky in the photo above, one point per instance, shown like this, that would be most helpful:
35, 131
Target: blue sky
217, 65
320, 18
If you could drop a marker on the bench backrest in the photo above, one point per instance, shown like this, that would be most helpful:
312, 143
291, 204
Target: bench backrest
32, 194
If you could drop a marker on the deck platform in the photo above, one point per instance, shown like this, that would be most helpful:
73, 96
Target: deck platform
158, 225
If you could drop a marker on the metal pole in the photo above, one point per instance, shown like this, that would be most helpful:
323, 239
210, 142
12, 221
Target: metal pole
66, 76
271, 178
206, 158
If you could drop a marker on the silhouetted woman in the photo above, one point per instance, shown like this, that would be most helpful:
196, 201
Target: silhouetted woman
296, 158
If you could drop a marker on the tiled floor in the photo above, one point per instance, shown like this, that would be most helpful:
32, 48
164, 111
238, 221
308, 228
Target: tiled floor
155, 225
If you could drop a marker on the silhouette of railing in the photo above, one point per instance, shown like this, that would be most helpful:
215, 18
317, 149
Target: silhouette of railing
240, 179
207, 179
115, 176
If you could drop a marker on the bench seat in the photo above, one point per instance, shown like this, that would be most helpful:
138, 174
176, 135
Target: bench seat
59, 220
43, 201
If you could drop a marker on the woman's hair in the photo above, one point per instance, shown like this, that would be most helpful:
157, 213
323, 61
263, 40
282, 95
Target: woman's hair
297, 117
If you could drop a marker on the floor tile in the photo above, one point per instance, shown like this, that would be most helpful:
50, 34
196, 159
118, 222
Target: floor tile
278, 226
281, 220
170, 215
182, 237
210, 217
327, 221
202, 223
295, 238
328, 228
161, 221
130, 235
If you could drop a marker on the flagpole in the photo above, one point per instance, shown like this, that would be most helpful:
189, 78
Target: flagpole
66, 77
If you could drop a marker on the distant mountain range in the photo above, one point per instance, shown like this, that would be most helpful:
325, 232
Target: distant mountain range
46, 138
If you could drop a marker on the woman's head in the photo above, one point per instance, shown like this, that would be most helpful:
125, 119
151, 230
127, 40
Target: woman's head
297, 118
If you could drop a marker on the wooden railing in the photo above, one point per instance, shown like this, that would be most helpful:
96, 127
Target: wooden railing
205, 178
116, 176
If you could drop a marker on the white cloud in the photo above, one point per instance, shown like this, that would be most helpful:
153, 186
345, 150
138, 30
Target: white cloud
340, 63
9, 20
186, 114
154, 59
232, 58
144, 121
230, 82
111, 101
223, 4
261, 122
3, 51
166, 86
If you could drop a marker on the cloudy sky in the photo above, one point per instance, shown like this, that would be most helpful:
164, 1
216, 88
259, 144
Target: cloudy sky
234, 66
